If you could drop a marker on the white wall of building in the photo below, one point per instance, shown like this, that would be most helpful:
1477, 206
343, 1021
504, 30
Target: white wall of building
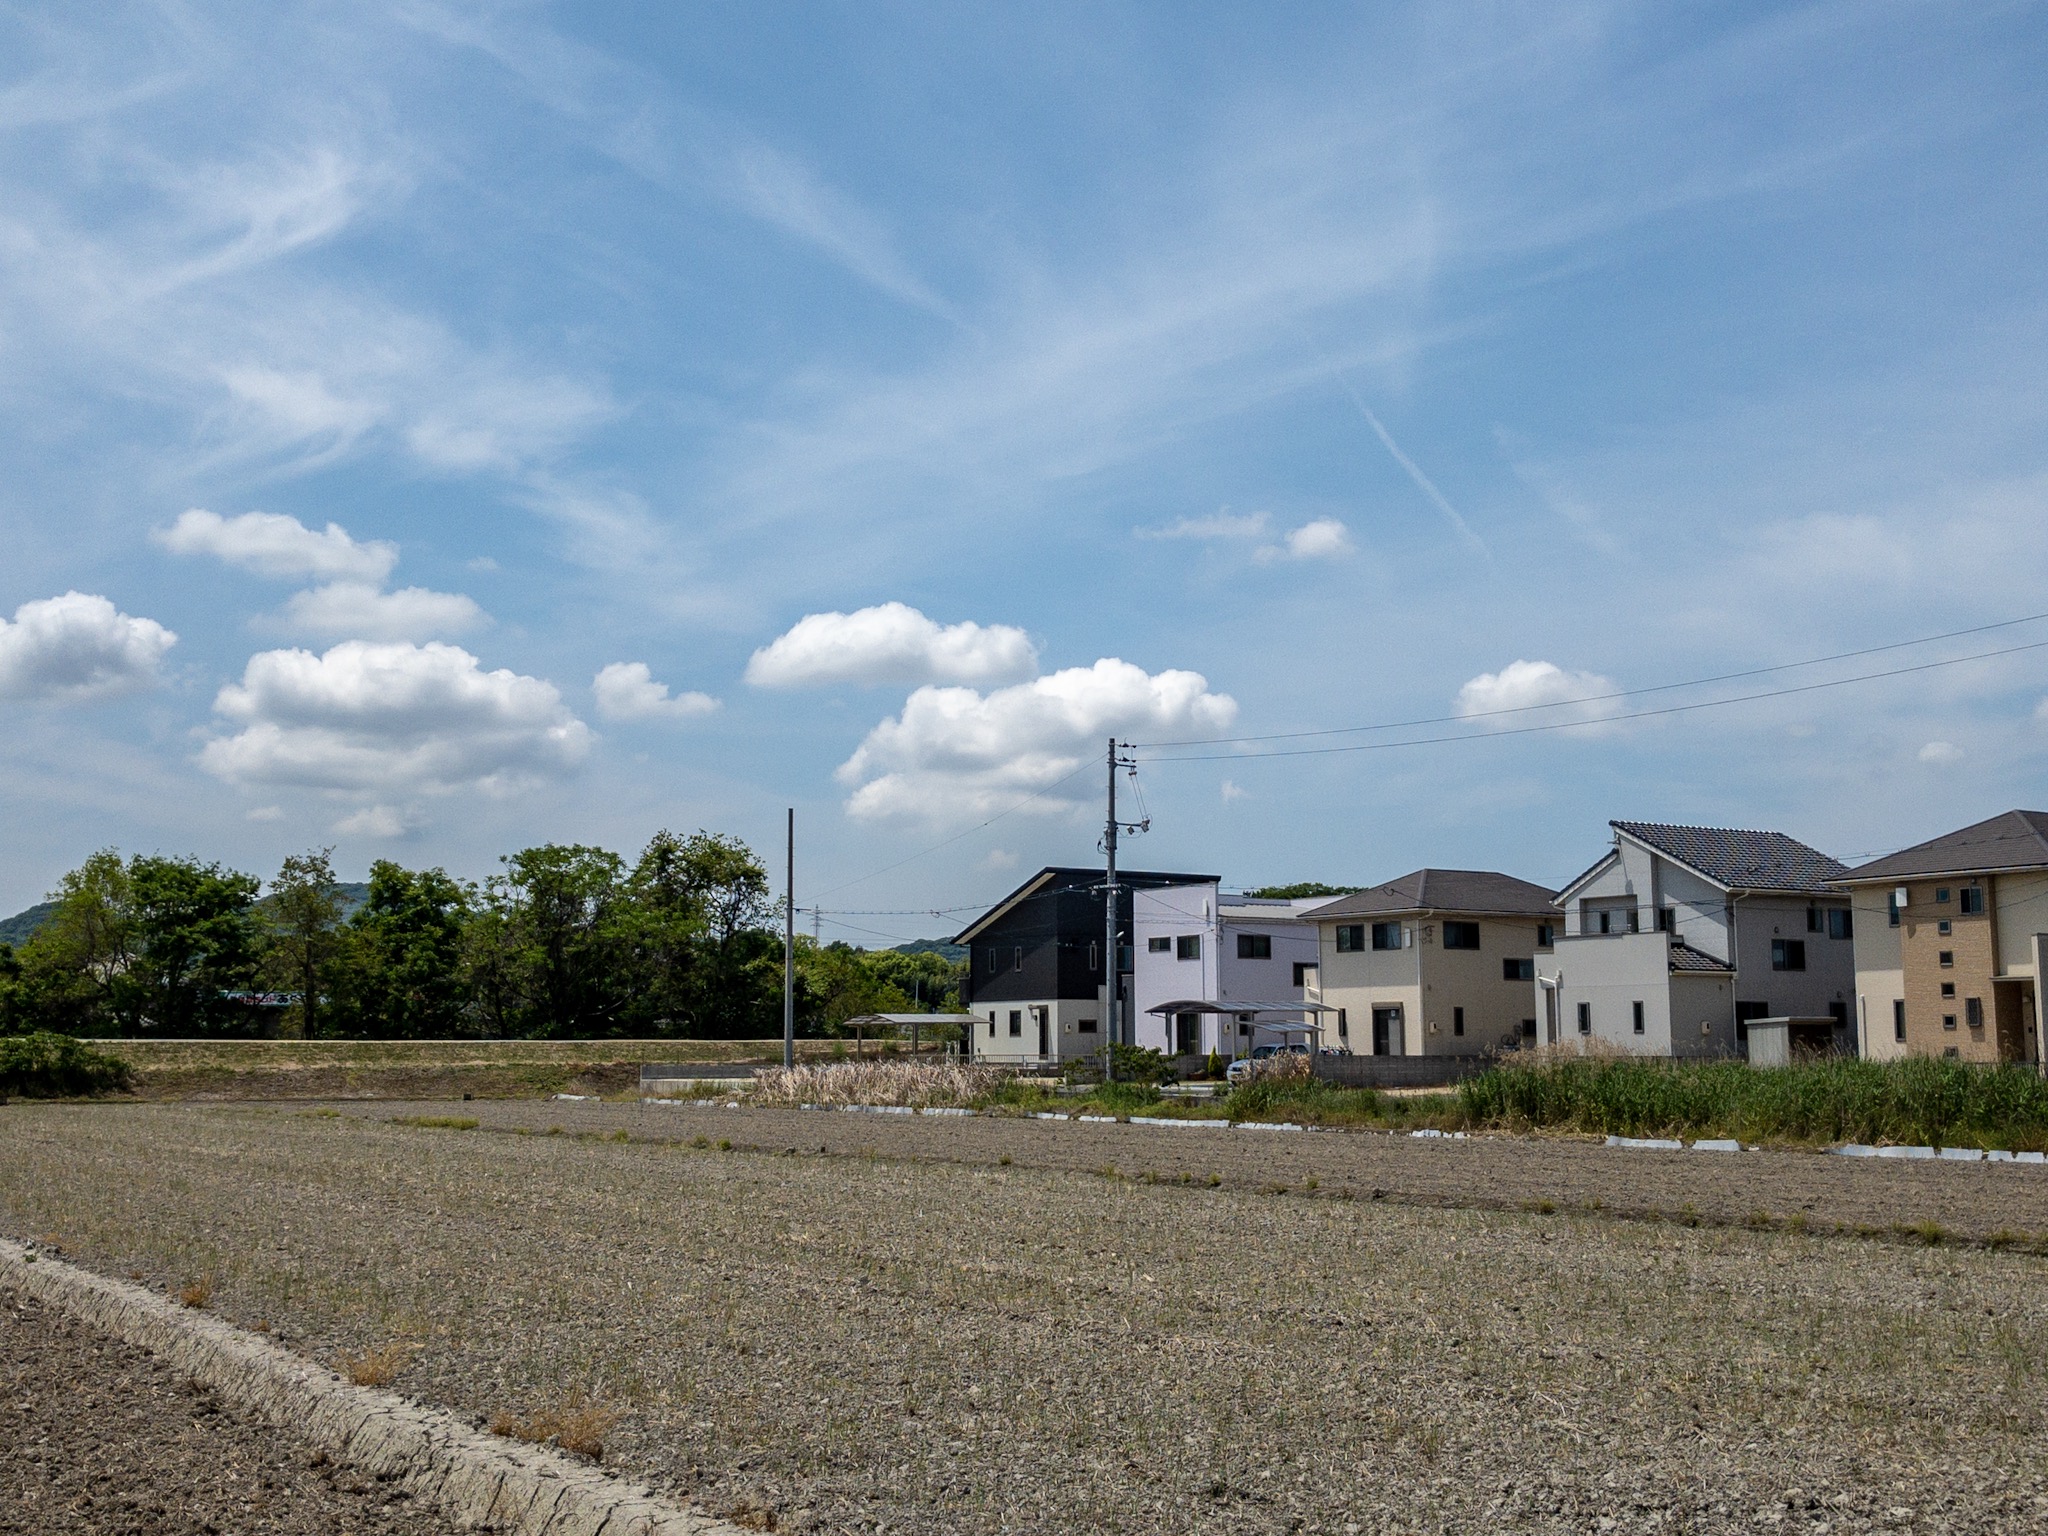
1215, 918
1065, 1037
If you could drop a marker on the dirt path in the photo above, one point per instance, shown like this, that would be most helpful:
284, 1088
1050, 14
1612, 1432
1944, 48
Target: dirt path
1909, 1201
99, 1439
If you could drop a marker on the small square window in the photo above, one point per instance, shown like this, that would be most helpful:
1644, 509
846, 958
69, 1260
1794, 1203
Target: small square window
1546, 936
1159, 944
1948, 989
1517, 970
1187, 946
1636, 1021
1788, 954
1972, 903
1814, 920
1951, 1052
1948, 958
1667, 920
1941, 894
1255, 946
1350, 938
1948, 1021
1461, 935
1841, 923
1085, 1026
1944, 928
1386, 935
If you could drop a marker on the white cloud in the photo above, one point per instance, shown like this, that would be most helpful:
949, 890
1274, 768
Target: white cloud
1941, 753
1234, 791
998, 858
1323, 539
1539, 686
78, 646
954, 753
358, 610
374, 718
891, 643
626, 690
377, 821
271, 544
265, 813
1224, 524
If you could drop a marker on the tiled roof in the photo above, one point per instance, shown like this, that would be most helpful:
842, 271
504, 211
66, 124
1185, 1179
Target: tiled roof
2016, 840
1445, 890
1685, 958
1740, 860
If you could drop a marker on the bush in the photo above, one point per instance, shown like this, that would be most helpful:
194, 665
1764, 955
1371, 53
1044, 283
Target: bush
1922, 1100
46, 1066
1134, 1064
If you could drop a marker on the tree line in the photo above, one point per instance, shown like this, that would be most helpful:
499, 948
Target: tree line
565, 941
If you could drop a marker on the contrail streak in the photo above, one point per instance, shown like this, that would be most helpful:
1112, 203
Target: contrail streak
1422, 481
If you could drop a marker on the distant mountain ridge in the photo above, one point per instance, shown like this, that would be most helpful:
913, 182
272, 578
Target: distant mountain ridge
18, 929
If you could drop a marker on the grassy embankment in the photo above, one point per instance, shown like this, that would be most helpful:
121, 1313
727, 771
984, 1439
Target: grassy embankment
1920, 1101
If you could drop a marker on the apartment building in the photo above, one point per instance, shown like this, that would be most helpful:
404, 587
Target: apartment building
1209, 966
1678, 936
1950, 941
1436, 963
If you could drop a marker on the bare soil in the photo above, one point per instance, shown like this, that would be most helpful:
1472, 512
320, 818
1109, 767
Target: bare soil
99, 1438
908, 1334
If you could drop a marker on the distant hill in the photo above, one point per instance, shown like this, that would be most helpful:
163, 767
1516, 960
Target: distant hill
937, 947
16, 930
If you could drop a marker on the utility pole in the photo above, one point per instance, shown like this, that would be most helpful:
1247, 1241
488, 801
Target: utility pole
1109, 1021
789, 949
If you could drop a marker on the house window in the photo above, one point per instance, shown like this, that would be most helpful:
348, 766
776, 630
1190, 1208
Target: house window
1457, 1021
1944, 928
1788, 954
1518, 970
1159, 944
1667, 920
1302, 970
1461, 935
1972, 900
1094, 957
1636, 1017
991, 1017
1017, 964
1085, 1026
1947, 957
1973, 1012
1585, 1018
1528, 1029
1813, 918
1546, 936
1891, 910
1948, 989
1941, 894
1350, 938
1343, 1025
1016, 1021
1839, 1012
1899, 1019
1255, 946
1951, 1052
1841, 923
1948, 1021
1386, 935
991, 962
1188, 946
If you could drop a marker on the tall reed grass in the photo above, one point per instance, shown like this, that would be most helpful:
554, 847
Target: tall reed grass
916, 1083
1918, 1101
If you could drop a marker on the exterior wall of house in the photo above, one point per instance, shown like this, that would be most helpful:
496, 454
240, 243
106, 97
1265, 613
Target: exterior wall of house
1688, 1014
1827, 983
1064, 1037
1938, 996
1171, 912
1202, 911
1702, 1015
1429, 984
1880, 972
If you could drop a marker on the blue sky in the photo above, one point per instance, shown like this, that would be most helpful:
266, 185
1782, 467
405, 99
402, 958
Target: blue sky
1176, 371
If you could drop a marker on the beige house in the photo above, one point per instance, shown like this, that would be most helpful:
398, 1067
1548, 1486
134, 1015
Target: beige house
1437, 963
1950, 941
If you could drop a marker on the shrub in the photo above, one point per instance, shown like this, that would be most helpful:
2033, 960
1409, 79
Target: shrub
47, 1066
1122, 1098
1277, 1096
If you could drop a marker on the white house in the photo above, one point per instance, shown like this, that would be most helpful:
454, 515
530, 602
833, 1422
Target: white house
1196, 943
1678, 936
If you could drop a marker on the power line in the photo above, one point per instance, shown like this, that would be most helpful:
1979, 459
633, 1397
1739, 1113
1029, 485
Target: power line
1575, 725
1603, 698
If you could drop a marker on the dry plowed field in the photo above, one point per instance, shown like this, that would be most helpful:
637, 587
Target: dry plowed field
909, 1333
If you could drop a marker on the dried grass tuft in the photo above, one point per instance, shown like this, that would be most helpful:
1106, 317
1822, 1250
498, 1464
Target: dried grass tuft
914, 1083
196, 1294
379, 1367
577, 1424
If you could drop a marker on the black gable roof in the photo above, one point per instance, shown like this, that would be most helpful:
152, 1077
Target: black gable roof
1739, 859
2015, 840
1057, 878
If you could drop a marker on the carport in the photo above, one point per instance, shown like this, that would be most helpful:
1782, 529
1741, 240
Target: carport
1254, 1023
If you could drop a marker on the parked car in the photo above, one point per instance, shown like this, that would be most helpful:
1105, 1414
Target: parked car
1246, 1068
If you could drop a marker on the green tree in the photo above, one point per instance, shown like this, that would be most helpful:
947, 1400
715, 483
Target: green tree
404, 977
304, 911
75, 968
196, 938
556, 943
1303, 888
699, 922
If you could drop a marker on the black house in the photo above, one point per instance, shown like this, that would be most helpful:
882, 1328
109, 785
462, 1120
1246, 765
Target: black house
1034, 977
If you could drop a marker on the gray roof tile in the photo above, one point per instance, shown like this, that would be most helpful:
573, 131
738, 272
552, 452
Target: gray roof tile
1740, 860
2015, 840
1445, 890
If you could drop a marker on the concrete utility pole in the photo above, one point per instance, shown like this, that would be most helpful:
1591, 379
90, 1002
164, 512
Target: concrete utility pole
1110, 1011
789, 950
